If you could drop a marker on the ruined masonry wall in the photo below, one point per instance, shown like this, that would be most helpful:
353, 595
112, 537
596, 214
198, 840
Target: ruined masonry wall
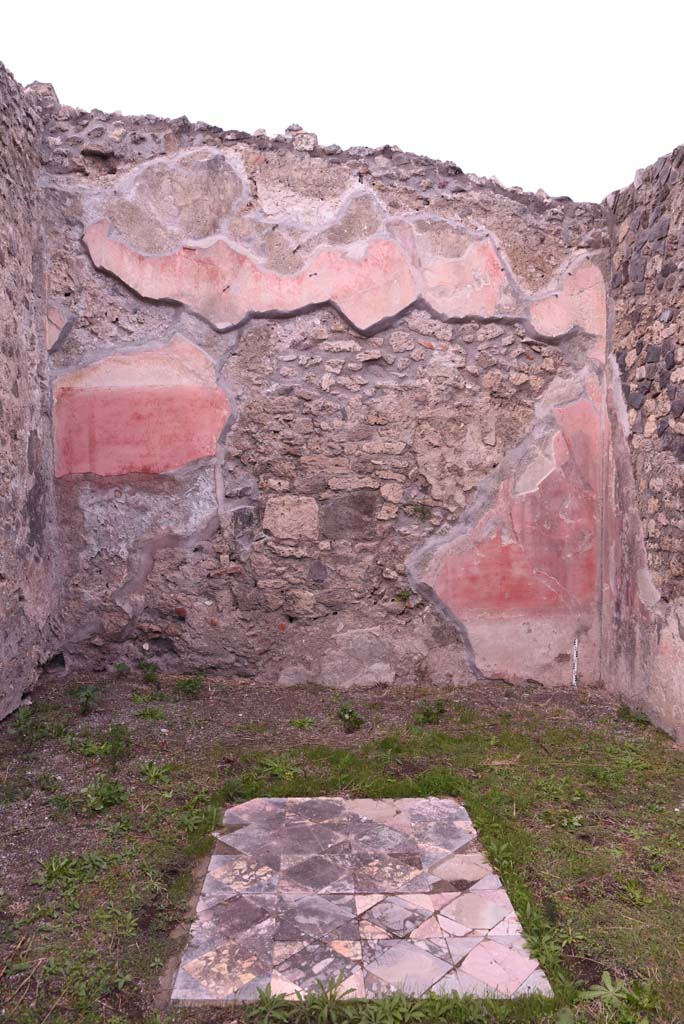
348, 418
319, 414
647, 560
26, 475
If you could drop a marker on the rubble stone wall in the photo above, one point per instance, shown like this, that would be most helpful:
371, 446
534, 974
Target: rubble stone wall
26, 476
349, 418
322, 416
647, 584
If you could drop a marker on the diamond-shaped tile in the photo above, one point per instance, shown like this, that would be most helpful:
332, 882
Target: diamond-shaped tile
536, 984
461, 870
321, 873
316, 810
314, 917
322, 962
498, 967
459, 983
229, 875
383, 839
389, 873
228, 968
401, 966
474, 910
397, 916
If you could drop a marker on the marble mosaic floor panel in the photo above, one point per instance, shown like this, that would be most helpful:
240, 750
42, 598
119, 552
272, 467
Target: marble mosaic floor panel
389, 895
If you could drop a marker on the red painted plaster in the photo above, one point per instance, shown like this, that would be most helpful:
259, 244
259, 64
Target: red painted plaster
144, 412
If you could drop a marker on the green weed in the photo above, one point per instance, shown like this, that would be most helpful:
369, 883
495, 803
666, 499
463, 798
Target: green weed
152, 714
156, 773
102, 794
302, 723
430, 713
86, 696
351, 720
191, 686
150, 673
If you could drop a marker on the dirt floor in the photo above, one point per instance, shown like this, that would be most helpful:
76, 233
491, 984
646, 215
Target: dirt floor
110, 786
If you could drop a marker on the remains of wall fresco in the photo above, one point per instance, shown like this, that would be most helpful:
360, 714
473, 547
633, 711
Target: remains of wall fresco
291, 371
26, 589
347, 417
648, 560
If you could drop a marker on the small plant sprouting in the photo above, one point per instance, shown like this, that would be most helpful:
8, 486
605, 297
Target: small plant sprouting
302, 723
430, 713
270, 1008
117, 744
64, 872
156, 773
190, 686
86, 699
152, 713
280, 768
403, 596
122, 668
102, 794
22, 722
571, 822
199, 814
633, 893
147, 696
350, 718
627, 714
150, 673
618, 996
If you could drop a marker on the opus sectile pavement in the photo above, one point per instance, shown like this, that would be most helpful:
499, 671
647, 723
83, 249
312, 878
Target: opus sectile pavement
387, 895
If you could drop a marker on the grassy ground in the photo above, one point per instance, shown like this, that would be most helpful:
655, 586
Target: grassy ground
110, 787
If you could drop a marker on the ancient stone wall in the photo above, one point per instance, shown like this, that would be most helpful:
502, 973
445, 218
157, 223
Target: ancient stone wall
647, 585
26, 475
319, 415
344, 417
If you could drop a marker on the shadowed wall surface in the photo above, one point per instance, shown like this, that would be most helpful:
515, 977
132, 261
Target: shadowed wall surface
26, 487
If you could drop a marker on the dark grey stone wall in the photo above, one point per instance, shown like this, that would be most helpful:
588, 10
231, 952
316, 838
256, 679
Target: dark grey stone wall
648, 293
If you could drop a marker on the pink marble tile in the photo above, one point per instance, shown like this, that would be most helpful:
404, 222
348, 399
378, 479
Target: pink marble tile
498, 967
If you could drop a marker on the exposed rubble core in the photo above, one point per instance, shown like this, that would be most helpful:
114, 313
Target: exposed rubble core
336, 417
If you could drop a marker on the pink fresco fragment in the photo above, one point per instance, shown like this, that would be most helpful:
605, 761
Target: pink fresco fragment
580, 302
225, 286
473, 285
524, 579
55, 322
535, 551
140, 412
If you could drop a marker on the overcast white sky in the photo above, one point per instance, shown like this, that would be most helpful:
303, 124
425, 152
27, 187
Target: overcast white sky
571, 97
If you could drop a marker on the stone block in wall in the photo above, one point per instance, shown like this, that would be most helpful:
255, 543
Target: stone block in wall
291, 517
